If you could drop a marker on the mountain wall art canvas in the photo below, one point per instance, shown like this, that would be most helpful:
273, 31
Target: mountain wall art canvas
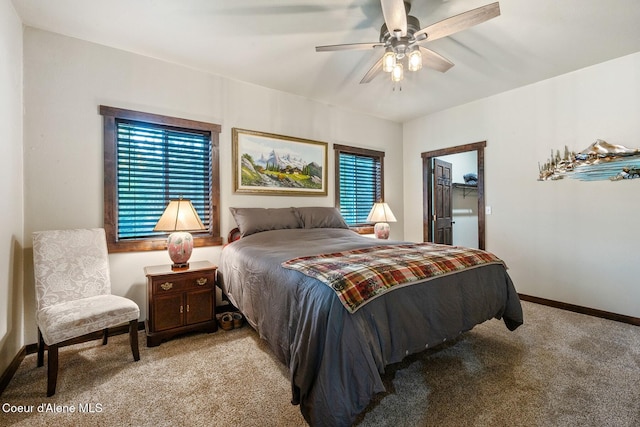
599, 161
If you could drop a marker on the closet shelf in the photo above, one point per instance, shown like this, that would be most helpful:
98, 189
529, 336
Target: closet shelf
466, 188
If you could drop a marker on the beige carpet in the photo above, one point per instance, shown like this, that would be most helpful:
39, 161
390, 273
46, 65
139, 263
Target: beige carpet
559, 369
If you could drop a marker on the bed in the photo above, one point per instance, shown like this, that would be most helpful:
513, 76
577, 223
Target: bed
336, 350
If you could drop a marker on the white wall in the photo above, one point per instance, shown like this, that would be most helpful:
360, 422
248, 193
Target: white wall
67, 79
568, 240
461, 164
11, 186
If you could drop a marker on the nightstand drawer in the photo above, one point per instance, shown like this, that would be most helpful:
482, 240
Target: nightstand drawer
164, 286
202, 281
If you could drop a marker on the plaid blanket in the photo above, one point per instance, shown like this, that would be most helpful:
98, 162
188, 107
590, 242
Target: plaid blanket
360, 275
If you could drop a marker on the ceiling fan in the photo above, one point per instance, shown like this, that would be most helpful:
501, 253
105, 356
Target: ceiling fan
402, 38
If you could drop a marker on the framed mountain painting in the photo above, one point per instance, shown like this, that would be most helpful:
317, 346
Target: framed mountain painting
266, 163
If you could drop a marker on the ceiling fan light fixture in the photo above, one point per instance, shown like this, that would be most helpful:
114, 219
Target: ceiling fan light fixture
401, 34
398, 73
415, 60
388, 61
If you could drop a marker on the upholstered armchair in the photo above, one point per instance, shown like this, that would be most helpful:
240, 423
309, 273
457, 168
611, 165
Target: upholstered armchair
73, 294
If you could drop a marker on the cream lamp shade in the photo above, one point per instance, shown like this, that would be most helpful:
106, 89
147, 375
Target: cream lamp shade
381, 214
179, 217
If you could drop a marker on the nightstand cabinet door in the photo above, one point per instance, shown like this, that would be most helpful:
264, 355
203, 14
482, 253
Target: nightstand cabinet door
180, 301
199, 306
168, 311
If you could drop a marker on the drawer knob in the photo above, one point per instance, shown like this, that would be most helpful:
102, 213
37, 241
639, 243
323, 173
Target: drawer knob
166, 286
201, 281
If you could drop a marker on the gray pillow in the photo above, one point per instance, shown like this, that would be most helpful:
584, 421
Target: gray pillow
255, 220
321, 217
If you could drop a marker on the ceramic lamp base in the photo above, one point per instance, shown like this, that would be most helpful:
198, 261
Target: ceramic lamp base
180, 246
381, 230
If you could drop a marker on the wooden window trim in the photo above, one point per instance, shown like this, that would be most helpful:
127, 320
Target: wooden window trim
211, 237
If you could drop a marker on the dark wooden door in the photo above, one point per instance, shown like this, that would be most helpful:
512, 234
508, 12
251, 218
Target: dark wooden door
443, 218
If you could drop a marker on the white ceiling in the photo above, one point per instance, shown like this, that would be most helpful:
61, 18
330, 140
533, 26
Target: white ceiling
272, 43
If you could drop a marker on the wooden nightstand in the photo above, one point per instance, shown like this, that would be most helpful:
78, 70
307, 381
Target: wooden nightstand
180, 301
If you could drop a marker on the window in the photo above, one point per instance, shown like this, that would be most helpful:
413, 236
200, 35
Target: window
149, 160
359, 182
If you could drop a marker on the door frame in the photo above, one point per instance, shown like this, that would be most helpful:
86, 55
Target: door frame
427, 187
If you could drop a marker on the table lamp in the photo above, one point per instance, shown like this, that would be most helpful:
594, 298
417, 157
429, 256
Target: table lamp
179, 218
381, 214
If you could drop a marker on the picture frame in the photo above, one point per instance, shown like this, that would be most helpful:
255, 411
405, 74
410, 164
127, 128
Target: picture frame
270, 164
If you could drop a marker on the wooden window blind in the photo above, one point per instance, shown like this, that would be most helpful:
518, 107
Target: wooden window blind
359, 178
155, 165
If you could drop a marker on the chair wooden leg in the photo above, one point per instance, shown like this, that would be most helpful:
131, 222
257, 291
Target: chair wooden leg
52, 369
40, 349
105, 336
133, 339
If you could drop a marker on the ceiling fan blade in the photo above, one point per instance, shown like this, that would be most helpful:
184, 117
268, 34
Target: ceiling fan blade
349, 46
395, 16
434, 60
373, 71
460, 22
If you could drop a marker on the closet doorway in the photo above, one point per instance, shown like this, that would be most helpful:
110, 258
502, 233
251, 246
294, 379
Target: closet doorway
438, 194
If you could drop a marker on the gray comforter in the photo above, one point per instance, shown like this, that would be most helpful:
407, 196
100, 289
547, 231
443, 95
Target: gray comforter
335, 358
